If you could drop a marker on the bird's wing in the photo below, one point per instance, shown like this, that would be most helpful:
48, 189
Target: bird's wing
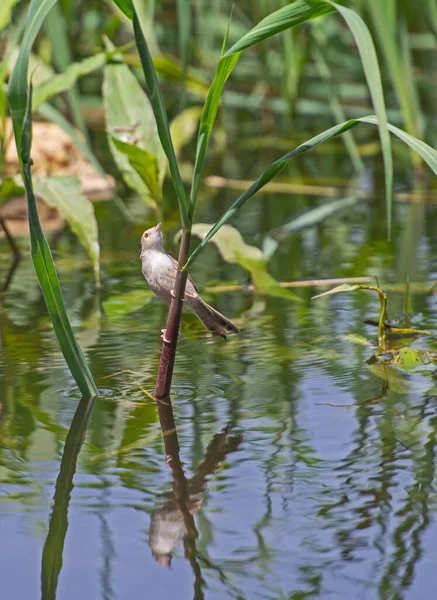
191, 286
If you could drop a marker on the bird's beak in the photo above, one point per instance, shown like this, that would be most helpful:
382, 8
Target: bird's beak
157, 228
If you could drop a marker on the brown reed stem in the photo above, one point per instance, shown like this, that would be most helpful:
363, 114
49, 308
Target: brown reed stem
170, 339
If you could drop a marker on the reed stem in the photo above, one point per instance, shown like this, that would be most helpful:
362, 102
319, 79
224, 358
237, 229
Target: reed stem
170, 339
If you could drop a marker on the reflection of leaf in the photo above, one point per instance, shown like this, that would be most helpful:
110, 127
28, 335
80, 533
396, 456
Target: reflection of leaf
234, 249
355, 338
308, 219
124, 304
65, 194
396, 381
144, 163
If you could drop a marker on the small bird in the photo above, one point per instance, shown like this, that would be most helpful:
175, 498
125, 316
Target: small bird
159, 270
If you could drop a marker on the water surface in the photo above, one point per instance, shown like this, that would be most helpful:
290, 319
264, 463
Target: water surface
305, 471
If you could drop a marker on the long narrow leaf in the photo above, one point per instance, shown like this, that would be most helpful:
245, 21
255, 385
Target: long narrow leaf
289, 16
20, 101
224, 69
17, 88
428, 154
369, 61
158, 105
48, 279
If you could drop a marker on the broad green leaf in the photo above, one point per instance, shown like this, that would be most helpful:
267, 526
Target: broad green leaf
50, 113
65, 194
308, 219
129, 115
144, 163
120, 305
159, 110
66, 80
6, 7
234, 249
17, 88
406, 358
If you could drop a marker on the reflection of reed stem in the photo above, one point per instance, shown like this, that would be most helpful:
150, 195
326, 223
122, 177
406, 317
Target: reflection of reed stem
180, 489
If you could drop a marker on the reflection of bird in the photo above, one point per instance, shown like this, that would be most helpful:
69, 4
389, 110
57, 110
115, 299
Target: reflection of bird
159, 270
168, 524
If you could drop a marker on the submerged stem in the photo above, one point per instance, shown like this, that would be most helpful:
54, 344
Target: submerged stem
166, 365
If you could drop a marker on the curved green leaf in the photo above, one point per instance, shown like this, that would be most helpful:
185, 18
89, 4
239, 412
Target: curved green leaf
309, 218
20, 101
17, 88
234, 249
428, 154
369, 60
288, 16
158, 105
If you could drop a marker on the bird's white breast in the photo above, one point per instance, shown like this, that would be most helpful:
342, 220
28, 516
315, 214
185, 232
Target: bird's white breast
159, 272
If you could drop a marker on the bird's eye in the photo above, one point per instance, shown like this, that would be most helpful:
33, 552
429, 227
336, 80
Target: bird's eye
146, 235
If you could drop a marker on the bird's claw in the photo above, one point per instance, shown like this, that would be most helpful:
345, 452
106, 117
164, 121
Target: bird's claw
163, 336
187, 296
172, 294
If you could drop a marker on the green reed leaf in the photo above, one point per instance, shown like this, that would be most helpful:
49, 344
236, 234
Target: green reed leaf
428, 154
158, 105
20, 101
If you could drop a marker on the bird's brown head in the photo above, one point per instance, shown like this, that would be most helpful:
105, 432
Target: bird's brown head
152, 239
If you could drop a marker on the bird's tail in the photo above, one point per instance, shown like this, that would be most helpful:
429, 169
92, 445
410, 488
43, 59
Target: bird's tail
214, 321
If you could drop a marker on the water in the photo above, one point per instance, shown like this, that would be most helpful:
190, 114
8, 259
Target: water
305, 471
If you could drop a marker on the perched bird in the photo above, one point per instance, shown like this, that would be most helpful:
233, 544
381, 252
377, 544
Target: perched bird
159, 270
